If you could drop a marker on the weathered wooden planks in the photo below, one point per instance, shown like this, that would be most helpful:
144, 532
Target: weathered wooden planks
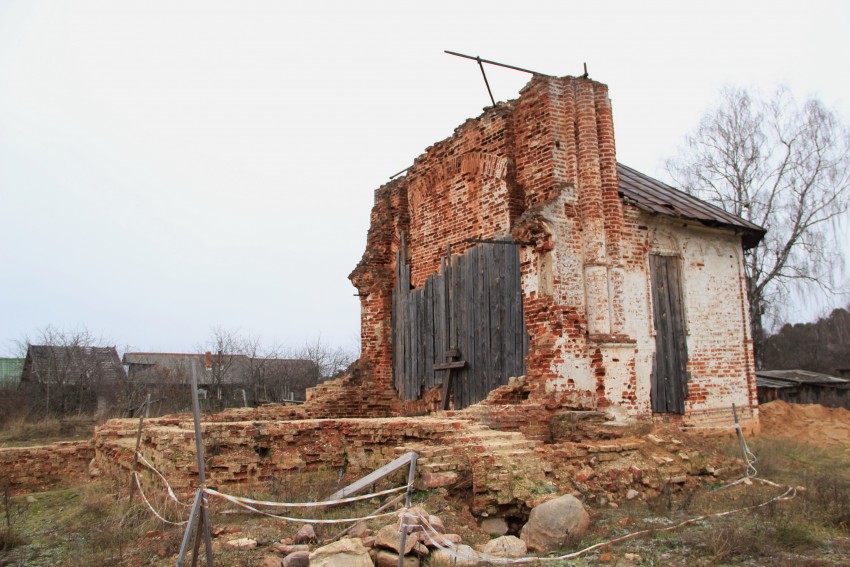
475, 306
668, 387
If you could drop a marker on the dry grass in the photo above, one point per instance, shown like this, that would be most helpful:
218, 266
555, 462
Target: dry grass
21, 431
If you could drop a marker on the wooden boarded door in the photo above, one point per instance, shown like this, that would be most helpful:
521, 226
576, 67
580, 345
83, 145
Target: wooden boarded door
669, 386
477, 309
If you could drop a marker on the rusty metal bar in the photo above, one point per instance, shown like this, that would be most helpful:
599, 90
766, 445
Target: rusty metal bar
486, 82
506, 66
491, 241
394, 175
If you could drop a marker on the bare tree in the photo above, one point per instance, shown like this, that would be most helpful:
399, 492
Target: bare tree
65, 372
226, 348
329, 360
785, 167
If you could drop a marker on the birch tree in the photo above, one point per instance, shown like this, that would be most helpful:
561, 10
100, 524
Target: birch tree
786, 167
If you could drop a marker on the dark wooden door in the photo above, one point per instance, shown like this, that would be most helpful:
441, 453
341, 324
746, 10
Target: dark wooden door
474, 306
669, 372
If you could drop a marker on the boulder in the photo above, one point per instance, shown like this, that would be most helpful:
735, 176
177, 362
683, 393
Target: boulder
465, 556
271, 561
286, 549
305, 535
343, 553
387, 558
555, 523
506, 546
389, 537
297, 559
359, 530
446, 540
437, 524
494, 526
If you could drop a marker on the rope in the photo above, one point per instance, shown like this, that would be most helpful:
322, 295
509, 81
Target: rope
167, 485
237, 502
145, 499
313, 504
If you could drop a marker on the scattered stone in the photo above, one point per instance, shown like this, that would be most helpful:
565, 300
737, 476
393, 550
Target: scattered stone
305, 535
297, 559
680, 479
389, 537
654, 439
152, 534
495, 526
360, 530
225, 530
421, 549
632, 494
437, 524
445, 540
31, 499
343, 553
553, 524
613, 505
286, 549
606, 557
387, 558
271, 561
241, 543
466, 557
633, 558
506, 546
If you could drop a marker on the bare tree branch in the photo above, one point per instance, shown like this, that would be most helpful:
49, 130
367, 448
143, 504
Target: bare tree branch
785, 167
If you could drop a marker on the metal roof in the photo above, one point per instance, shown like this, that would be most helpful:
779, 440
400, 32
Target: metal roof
653, 196
765, 382
795, 377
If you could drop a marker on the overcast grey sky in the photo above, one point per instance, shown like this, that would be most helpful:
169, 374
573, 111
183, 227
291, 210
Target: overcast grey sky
166, 166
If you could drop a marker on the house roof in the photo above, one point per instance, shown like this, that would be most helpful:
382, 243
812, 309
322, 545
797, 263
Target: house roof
789, 378
49, 362
237, 367
653, 196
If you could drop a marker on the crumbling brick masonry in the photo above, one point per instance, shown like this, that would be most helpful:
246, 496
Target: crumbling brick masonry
542, 170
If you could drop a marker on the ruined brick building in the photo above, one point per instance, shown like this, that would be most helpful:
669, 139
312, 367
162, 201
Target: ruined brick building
520, 246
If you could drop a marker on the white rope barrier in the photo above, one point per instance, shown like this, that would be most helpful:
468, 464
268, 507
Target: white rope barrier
247, 502
145, 499
235, 501
167, 485
313, 504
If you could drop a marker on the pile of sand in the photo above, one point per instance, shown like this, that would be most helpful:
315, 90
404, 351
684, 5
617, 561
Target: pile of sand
807, 423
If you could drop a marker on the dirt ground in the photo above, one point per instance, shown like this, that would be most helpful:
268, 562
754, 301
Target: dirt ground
806, 423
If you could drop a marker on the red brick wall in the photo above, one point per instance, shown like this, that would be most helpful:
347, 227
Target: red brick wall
39, 468
542, 169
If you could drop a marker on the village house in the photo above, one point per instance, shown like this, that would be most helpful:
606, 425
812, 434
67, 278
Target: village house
236, 379
73, 378
519, 246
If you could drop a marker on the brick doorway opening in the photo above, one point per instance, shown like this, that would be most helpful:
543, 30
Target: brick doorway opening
669, 386
471, 313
